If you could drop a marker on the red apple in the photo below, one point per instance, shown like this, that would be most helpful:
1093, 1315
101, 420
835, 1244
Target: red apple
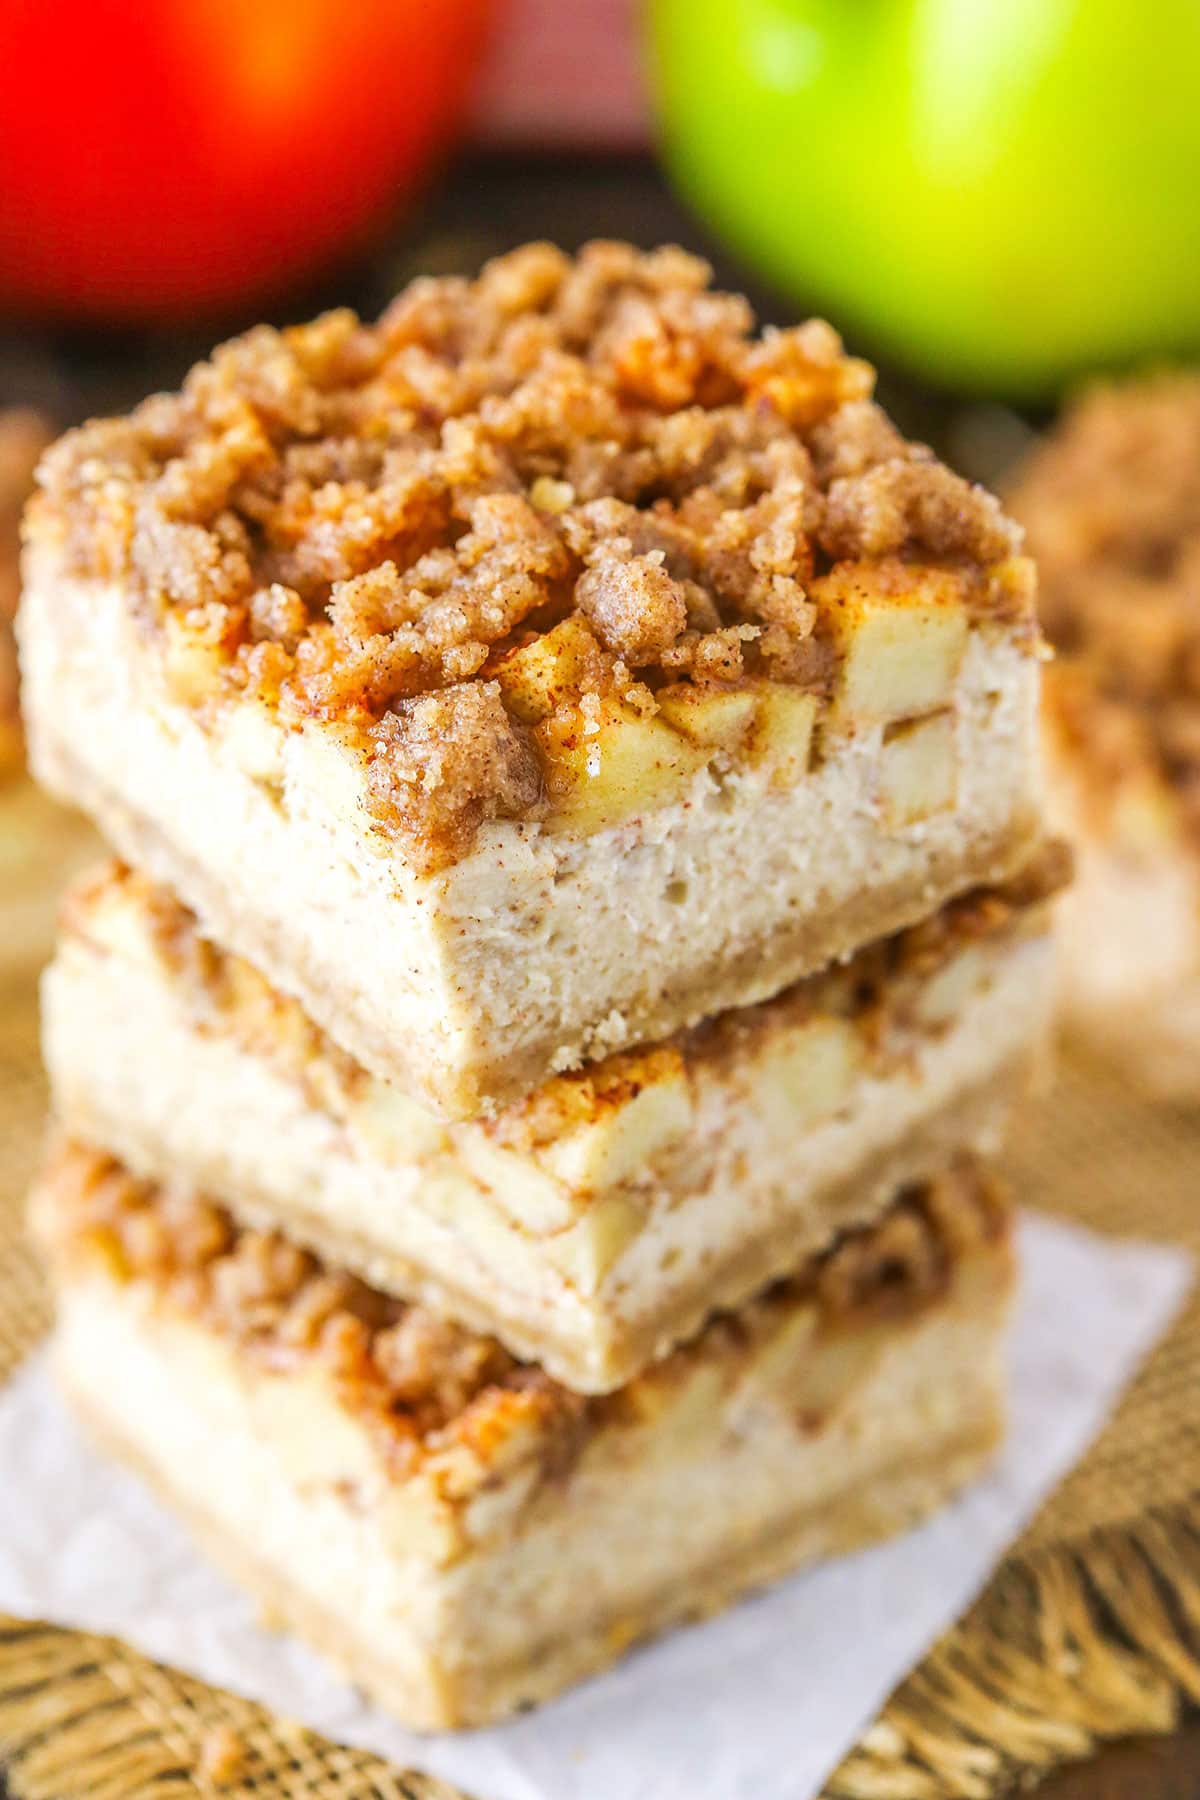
159, 157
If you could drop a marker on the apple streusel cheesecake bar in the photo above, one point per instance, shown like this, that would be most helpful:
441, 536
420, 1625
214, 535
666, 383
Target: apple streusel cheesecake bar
459, 1533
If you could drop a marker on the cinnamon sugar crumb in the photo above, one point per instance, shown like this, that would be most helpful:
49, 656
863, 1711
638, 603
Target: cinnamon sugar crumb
444, 763
425, 1356
882, 510
638, 611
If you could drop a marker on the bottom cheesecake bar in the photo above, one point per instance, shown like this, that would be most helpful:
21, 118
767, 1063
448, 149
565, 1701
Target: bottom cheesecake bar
459, 1533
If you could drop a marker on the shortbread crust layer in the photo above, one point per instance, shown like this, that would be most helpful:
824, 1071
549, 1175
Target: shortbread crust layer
460, 1534
595, 1225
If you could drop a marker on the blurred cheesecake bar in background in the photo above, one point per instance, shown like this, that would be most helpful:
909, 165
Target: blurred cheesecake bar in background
530, 675
1111, 503
41, 846
455, 1530
595, 1224
23, 437
581, 927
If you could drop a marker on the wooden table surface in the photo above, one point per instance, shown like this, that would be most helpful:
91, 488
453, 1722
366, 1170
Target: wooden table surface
483, 206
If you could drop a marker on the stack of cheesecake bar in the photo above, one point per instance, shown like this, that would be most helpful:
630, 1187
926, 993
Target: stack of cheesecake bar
582, 919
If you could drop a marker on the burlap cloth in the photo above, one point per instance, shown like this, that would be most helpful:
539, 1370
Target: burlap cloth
1090, 1629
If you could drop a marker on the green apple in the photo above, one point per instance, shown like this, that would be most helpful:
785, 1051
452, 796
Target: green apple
999, 193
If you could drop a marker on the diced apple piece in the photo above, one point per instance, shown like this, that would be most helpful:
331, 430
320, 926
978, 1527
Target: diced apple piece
394, 1127
553, 668
948, 989
551, 496
329, 768
826, 1381
1145, 814
773, 1372
254, 741
623, 1139
900, 648
918, 771
499, 1245
497, 1505
717, 717
629, 764
588, 1249
193, 664
783, 730
672, 1402
534, 1201
812, 1077
690, 1414
119, 926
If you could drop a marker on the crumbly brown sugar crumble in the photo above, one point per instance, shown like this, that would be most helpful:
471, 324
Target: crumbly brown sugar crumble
423, 1383
358, 523
1112, 506
877, 988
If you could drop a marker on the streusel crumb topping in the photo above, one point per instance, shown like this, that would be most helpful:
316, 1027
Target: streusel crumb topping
422, 1382
357, 523
1112, 506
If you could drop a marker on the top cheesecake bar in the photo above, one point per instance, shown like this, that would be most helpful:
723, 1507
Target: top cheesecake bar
536, 671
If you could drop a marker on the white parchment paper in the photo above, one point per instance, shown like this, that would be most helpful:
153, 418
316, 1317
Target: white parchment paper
759, 1704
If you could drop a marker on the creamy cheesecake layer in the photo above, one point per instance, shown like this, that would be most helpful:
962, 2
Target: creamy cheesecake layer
462, 1536
536, 671
594, 1225
537, 950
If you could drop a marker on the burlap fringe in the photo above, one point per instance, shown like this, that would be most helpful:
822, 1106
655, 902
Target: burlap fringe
1070, 1645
